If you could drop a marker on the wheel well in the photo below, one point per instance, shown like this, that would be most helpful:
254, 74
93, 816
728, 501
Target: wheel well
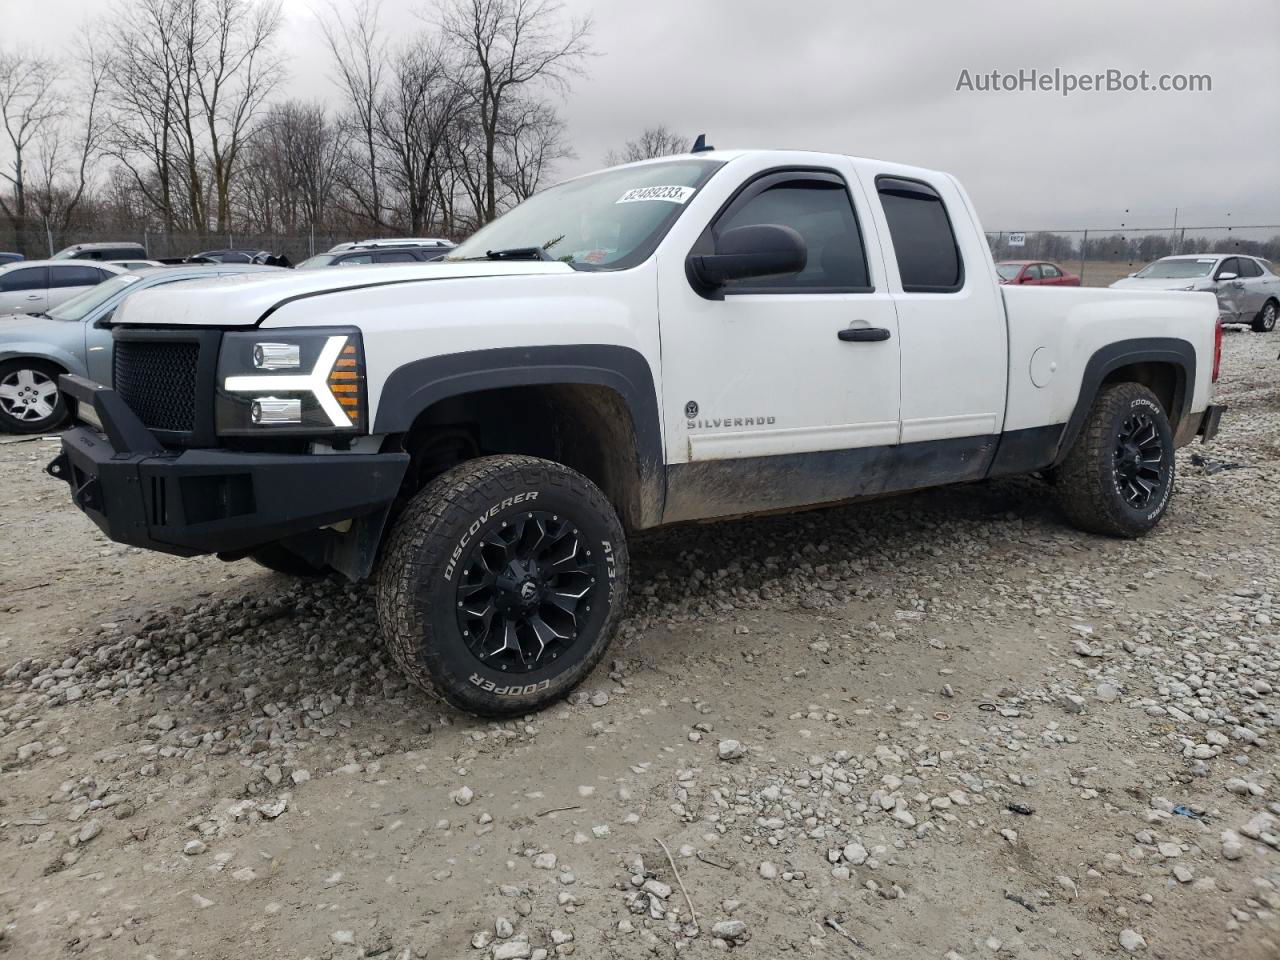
587, 428
1165, 380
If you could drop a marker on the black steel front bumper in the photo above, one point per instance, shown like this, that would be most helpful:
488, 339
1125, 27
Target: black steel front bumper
197, 501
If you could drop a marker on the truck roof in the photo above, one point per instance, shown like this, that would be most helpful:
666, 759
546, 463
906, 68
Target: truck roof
791, 157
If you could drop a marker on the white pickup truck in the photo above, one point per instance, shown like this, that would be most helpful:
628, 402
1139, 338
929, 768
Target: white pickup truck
700, 336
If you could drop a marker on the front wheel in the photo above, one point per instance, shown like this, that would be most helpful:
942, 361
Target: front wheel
1265, 321
1118, 476
29, 397
503, 583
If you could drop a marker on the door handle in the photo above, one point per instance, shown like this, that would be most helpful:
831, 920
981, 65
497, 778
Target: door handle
863, 334
33, 296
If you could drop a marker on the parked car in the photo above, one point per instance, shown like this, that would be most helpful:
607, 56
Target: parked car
73, 338
689, 338
11, 257
375, 253
437, 242
1039, 273
233, 256
135, 264
1247, 288
102, 251
34, 286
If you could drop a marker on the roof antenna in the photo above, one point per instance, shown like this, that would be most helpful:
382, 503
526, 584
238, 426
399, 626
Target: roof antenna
700, 145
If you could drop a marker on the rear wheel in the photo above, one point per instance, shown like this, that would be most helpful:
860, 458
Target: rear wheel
1118, 476
1265, 321
29, 397
503, 583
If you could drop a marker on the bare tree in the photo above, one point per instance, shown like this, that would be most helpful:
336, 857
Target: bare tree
359, 55
235, 68
532, 142
653, 142
421, 101
65, 161
510, 46
29, 110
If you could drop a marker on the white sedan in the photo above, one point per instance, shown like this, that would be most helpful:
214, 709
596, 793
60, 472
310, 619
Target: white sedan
37, 286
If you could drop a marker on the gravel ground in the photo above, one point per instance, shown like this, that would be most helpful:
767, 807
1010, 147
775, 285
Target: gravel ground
940, 726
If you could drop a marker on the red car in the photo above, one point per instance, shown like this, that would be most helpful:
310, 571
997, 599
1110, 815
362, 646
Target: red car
1036, 272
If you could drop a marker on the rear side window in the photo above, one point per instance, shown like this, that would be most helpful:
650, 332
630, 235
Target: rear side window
928, 255
817, 206
1249, 268
30, 278
74, 276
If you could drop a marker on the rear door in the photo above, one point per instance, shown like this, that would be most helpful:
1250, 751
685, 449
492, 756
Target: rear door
1253, 287
952, 326
67, 280
25, 290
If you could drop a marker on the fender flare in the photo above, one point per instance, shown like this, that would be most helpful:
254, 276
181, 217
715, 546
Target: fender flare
415, 386
1178, 353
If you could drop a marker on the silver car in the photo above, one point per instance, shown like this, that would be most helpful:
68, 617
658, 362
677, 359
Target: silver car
73, 337
1248, 288
35, 286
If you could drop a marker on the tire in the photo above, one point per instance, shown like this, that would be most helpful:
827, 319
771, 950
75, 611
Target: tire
29, 397
279, 560
1265, 321
502, 584
1124, 448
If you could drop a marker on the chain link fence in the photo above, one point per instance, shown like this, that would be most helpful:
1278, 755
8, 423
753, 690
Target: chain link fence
38, 242
1106, 254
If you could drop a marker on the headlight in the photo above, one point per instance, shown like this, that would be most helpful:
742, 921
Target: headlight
291, 382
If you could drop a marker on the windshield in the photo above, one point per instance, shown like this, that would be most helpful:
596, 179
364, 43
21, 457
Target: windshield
1177, 269
319, 260
81, 305
606, 221
1008, 271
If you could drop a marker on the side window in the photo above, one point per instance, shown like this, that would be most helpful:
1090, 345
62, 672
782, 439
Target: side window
817, 206
70, 276
1049, 271
397, 256
32, 278
356, 260
1229, 265
928, 257
1248, 268
1031, 273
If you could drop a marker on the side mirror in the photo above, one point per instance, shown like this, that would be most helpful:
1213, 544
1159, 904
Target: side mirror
1227, 276
759, 250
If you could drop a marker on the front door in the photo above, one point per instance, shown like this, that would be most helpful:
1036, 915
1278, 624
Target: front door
785, 390
1230, 291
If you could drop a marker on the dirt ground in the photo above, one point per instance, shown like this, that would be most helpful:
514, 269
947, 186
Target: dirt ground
939, 726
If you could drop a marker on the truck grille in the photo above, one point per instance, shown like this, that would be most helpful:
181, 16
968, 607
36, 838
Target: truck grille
157, 379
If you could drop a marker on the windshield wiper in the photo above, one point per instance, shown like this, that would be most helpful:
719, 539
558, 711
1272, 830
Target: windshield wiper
515, 253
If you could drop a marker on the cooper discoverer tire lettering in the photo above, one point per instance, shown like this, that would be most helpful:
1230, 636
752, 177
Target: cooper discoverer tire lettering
503, 583
1118, 476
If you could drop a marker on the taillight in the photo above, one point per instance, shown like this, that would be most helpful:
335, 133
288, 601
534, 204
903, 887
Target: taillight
1217, 349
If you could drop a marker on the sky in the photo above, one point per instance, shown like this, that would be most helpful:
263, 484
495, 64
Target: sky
880, 80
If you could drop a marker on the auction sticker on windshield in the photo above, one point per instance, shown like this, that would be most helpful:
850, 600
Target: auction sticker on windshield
670, 194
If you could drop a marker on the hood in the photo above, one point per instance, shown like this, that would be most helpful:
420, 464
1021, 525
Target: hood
24, 326
1161, 283
244, 299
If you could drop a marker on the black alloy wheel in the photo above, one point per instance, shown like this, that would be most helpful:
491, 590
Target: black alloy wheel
524, 590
